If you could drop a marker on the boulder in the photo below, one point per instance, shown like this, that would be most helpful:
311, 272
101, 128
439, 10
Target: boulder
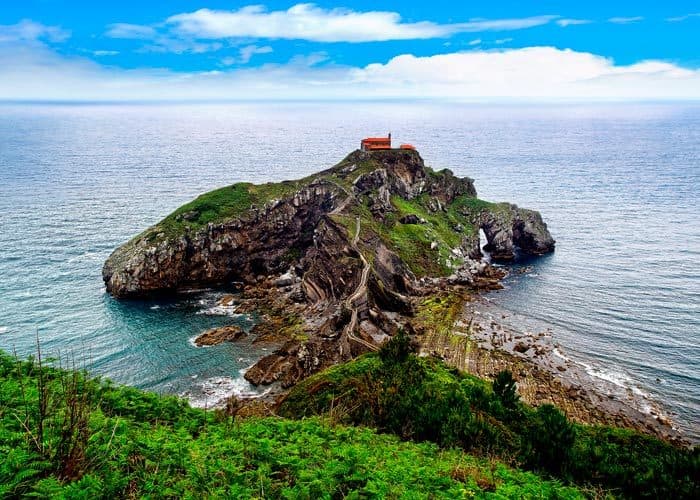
216, 336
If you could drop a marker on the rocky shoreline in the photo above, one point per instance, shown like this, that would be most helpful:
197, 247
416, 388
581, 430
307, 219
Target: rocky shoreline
483, 340
545, 374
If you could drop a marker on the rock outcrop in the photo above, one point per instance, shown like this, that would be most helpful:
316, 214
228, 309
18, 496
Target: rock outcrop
216, 336
258, 242
511, 229
342, 254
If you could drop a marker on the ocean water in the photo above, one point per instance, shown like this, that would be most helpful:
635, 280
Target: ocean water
618, 185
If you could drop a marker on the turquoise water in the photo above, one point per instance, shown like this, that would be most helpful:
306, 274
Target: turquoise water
618, 185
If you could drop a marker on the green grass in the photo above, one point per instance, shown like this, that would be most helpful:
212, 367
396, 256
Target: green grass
422, 399
221, 205
413, 242
63, 435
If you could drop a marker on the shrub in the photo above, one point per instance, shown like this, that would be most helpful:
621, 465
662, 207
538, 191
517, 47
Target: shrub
550, 439
423, 399
505, 389
398, 348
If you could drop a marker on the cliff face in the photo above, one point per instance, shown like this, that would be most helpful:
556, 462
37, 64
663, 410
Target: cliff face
260, 241
347, 249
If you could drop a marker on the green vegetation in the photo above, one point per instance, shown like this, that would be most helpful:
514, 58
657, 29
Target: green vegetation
221, 205
437, 314
422, 399
426, 247
64, 435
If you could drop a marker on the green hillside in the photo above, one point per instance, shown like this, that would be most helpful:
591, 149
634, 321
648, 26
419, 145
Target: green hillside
63, 435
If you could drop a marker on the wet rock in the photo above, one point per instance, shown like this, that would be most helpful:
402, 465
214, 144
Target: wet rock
286, 279
521, 347
268, 370
216, 336
227, 300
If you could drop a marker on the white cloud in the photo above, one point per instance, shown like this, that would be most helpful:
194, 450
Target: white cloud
625, 20
678, 19
306, 21
36, 72
475, 42
102, 53
130, 31
572, 22
177, 46
30, 31
501, 41
538, 72
245, 53
308, 60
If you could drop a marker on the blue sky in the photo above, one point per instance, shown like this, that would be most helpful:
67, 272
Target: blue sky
211, 49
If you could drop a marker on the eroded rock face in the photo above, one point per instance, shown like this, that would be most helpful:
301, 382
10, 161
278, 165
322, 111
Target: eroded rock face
216, 336
512, 228
256, 244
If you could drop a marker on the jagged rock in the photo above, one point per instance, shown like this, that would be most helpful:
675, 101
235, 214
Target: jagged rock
511, 227
521, 347
286, 279
446, 187
256, 243
411, 219
216, 336
227, 300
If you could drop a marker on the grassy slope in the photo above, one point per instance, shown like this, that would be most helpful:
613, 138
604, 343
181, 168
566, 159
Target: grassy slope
101, 441
423, 399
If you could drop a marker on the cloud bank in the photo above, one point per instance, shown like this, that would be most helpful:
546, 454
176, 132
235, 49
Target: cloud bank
307, 21
36, 72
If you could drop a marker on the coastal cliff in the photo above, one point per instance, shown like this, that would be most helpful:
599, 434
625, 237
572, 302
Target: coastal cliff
336, 262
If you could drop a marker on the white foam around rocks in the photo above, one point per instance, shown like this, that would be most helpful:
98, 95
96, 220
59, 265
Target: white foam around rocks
213, 392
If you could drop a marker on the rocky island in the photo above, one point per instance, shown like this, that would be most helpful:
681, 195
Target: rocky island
341, 259
339, 262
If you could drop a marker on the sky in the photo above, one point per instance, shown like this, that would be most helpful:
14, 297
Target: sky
349, 49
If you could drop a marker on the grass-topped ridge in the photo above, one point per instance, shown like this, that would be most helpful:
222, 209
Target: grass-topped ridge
221, 205
227, 203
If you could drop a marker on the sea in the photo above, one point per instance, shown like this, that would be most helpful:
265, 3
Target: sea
618, 185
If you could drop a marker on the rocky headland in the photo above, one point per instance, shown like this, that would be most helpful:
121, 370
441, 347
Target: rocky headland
338, 262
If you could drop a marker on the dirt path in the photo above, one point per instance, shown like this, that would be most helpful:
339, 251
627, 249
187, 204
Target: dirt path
359, 293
